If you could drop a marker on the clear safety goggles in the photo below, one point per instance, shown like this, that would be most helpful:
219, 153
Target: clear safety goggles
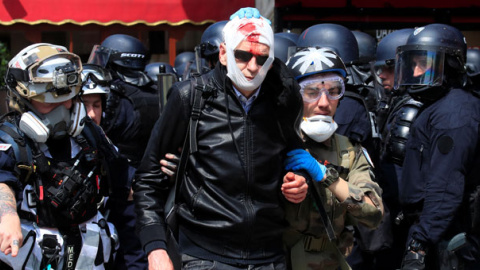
312, 89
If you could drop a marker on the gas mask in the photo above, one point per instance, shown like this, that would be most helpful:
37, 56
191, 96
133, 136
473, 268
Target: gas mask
56, 124
319, 127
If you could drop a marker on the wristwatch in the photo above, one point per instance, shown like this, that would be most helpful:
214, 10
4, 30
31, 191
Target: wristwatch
332, 176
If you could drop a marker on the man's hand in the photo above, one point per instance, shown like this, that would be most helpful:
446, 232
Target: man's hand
11, 237
159, 260
169, 164
294, 187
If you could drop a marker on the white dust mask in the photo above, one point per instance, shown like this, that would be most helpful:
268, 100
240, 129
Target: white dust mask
319, 127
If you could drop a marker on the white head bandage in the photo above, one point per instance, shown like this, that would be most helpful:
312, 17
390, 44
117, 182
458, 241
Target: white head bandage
253, 30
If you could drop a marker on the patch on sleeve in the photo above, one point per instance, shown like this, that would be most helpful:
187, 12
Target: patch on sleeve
445, 144
367, 157
4, 146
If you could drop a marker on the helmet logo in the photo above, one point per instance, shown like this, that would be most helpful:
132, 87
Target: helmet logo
418, 30
132, 55
314, 57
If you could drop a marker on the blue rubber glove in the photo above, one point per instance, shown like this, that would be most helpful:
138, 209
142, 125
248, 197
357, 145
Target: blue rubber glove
248, 13
300, 159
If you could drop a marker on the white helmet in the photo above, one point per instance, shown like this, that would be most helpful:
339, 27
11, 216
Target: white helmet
95, 80
45, 72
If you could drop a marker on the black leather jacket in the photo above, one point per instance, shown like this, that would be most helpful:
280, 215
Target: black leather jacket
231, 204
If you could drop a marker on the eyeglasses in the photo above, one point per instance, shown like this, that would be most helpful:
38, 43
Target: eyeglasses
245, 57
311, 90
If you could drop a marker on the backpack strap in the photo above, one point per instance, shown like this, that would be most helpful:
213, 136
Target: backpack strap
197, 106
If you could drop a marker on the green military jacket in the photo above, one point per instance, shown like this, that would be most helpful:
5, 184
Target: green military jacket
306, 239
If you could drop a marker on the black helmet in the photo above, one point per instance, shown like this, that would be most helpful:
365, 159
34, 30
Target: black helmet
473, 62
367, 46
309, 61
211, 39
441, 50
292, 36
122, 50
153, 69
336, 37
183, 63
281, 47
387, 47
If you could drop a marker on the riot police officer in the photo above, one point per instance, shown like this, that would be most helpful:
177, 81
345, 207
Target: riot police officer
133, 104
383, 248
57, 165
441, 160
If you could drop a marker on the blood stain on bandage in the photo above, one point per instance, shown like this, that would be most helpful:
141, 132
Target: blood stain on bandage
250, 31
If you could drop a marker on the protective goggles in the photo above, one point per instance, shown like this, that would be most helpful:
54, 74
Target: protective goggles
245, 57
312, 89
96, 74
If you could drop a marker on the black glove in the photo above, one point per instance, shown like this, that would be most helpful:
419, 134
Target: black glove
414, 258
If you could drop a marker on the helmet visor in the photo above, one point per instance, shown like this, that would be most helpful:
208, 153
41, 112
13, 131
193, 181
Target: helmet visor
99, 56
419, 67
62, 76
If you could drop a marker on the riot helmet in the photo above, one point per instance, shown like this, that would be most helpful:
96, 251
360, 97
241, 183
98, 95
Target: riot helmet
367, 46
120, 50
473, 62
282, 45
387, 46
289, 35
309, 61
46, 73
153, 69
211, 40
384, 66
183, 63
335, 37
431, 61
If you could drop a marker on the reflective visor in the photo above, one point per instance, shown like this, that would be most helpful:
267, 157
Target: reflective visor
419, 67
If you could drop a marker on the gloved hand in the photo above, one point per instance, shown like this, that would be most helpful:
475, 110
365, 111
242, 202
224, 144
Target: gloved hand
413, 261
248, 13
299, 159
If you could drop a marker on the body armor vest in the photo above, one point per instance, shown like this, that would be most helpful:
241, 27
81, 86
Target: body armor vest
403, 114
145, 113
66, 192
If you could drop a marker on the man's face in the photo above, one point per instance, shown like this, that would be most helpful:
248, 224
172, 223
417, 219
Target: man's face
45, 108
420, 65
93, 105
387, 75
247, 57
322, 106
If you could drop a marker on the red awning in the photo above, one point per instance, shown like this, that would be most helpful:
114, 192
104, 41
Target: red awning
125, 12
